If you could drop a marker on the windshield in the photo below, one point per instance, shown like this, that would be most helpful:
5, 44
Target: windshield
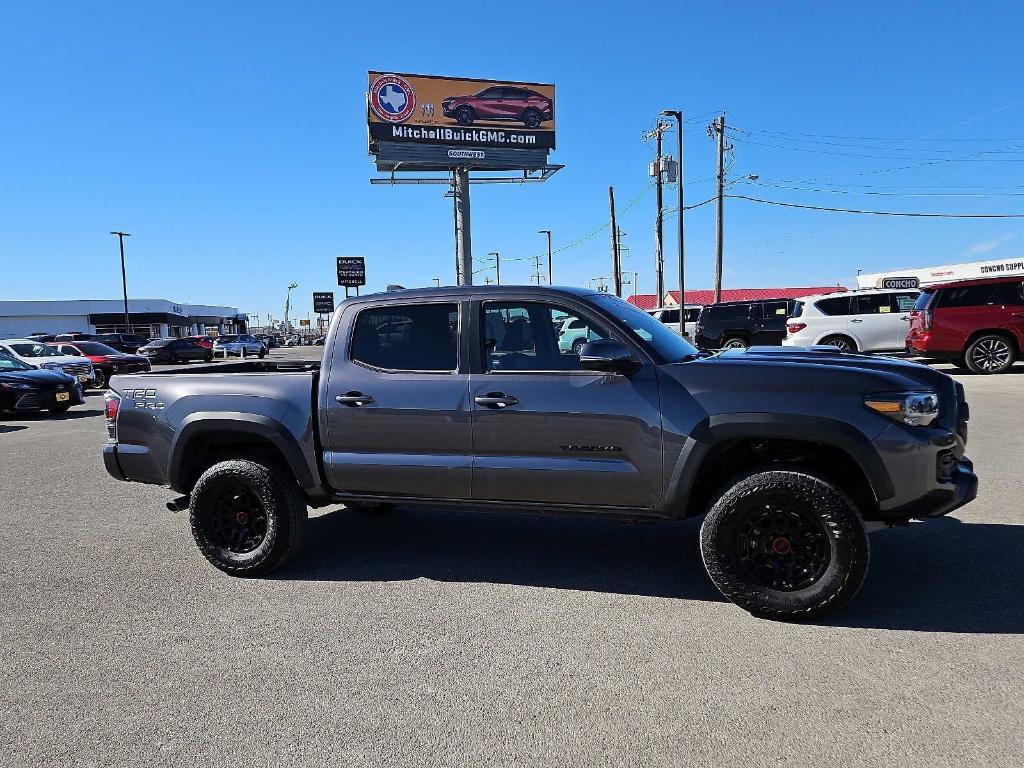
95, 348
8, 363
35, 350
666, 342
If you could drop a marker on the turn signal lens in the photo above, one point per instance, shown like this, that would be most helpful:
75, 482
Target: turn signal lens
796, 327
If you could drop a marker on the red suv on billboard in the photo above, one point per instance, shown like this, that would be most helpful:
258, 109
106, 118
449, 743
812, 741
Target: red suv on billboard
500, 102
974, 324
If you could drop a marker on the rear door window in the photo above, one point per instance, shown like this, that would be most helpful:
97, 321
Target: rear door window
872, 304
1011, 294
413, 337
729, 312
967, 296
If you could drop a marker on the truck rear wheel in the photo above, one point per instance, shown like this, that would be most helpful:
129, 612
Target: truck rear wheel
785, 545
247, 519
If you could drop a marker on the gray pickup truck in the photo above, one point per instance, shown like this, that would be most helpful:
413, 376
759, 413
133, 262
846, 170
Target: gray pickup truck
464, 396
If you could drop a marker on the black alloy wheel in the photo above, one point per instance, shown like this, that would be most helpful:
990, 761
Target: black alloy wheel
532, 118
99, 379
989, 354
782, 546
464, 115
236, 520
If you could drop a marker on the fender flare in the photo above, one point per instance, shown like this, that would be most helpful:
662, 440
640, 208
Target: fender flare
196, 425
816, 429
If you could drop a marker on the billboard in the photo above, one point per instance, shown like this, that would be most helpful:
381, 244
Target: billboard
459, 113
947, 273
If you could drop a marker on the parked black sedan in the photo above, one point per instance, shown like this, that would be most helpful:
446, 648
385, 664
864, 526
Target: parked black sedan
175, 351
24, 388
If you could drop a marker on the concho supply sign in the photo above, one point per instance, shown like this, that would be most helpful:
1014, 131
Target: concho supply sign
460, 112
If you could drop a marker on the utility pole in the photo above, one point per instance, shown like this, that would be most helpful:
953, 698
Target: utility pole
548, 233
717, 131
600, 283
463, 239
681, 249
656, 168
497, 266
616, 264
124, 281
437, 281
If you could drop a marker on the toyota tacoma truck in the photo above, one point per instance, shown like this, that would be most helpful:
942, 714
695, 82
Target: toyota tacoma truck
463, 396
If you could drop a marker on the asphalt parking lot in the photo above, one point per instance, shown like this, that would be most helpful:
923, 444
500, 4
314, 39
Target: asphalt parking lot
426, 638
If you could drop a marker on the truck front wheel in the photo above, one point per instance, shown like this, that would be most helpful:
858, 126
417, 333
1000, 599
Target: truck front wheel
785, 545
247, 518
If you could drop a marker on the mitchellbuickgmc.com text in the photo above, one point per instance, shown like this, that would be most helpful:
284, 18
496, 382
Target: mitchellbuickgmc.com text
456, 135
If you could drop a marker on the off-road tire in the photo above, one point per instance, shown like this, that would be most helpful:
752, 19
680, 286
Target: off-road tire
282, 502
847, 344
991, 353
840, 526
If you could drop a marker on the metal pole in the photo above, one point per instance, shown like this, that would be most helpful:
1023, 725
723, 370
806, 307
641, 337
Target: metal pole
678, 115
548, 233
124, 280
463, 237
720, 211
659, 256
497, 266
616, 265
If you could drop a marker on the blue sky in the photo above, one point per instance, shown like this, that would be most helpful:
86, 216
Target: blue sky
229, 138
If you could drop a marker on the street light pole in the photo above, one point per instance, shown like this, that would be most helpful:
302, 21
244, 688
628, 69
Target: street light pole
678, 115
288, 306
548, 233
124, 281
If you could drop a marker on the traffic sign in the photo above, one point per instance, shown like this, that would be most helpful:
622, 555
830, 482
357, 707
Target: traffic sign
351, 271
323, 302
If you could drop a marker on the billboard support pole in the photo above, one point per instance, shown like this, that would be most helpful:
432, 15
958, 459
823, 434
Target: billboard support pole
463, 237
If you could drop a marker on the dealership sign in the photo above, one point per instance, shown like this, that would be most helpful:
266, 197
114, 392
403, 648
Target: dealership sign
323, 302
351, 271
459, 112
945, 274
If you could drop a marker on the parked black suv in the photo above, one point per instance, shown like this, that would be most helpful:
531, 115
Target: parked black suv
122, 342
741, 324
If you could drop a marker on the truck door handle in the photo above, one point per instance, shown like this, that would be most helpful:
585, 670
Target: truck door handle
354, 399
495, 400
855, 320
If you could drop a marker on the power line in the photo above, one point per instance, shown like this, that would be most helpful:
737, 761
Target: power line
887, 194
916, 214
897, 139
972, 158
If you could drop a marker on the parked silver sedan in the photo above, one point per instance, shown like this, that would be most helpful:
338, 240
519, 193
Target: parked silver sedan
237, 344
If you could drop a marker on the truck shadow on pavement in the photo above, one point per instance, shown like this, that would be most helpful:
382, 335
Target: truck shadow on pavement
942, 575
938, 576
590, 554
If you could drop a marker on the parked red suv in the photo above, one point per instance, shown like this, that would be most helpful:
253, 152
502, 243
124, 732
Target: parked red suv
975, 324
500, 102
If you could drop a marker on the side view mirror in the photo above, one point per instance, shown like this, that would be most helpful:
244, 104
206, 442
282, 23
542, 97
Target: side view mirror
609, 356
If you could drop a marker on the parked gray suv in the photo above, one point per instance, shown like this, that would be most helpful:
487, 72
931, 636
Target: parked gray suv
463, 396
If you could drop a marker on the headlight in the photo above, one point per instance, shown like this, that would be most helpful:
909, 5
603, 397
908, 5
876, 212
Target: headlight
53, 367
914, 408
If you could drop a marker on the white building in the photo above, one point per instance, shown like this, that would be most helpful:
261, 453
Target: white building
932, 275
147, 317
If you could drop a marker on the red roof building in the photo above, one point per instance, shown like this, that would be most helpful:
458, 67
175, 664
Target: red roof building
644, 301
703, 297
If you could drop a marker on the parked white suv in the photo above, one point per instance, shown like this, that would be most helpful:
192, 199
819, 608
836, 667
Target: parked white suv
858, 321
670, 317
